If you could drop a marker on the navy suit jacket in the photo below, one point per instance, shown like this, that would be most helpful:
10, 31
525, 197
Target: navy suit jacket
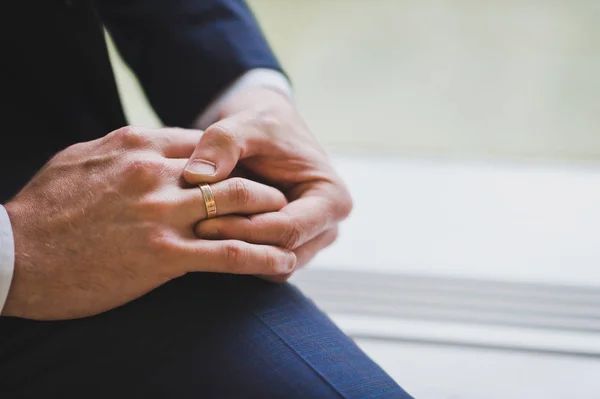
57, 83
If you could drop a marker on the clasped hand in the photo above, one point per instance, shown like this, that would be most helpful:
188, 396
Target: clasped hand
106, 221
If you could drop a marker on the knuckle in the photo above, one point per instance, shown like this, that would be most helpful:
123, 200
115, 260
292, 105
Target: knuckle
271, 262
270, 124
236, 255
250, 230
220, 136
239, 193
130, 137
160, 244
143, 172
162, 248
276, 264
292, 235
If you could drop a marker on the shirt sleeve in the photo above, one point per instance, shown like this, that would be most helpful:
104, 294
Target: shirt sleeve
258, 77
7, 256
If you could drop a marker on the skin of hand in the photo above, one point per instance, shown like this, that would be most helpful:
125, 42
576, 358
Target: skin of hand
106, 221
260, 131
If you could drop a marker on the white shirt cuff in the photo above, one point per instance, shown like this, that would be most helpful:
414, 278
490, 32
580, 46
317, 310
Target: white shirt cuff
259, 77
7, 256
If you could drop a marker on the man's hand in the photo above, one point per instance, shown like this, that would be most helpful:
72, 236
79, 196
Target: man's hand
106, 221
261, 132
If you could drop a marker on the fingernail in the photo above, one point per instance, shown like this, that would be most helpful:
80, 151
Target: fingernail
291, 259
201, 167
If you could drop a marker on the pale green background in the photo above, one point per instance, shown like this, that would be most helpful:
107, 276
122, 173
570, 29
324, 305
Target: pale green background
454, 78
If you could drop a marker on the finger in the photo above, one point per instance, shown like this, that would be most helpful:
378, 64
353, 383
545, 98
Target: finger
177, 165
316, 209
268, 229
297, 223
236, 227
308, 251
272, 228
233, 196
169, 142
305, 253
235, 257
175, 142
219, 150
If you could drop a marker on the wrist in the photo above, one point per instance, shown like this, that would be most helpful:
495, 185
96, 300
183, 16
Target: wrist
252, 79
263, 100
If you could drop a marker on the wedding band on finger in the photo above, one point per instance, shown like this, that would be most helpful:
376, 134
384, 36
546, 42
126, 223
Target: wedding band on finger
209, 201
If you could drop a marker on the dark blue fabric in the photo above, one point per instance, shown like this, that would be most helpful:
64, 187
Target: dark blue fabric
186, 51
201, 336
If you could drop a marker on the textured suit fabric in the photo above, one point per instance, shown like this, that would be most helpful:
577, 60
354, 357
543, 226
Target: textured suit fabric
201, 336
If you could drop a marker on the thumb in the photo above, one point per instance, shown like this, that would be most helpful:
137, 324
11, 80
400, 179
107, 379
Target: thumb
215, 156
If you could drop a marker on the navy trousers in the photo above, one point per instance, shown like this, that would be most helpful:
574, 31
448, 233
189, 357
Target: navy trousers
200, 336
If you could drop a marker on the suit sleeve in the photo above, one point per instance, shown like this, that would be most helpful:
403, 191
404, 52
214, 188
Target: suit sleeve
185, 52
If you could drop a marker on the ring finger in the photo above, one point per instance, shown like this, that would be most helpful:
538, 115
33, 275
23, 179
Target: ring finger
235, 196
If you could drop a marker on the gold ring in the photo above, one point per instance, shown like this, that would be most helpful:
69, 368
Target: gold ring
209, 201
